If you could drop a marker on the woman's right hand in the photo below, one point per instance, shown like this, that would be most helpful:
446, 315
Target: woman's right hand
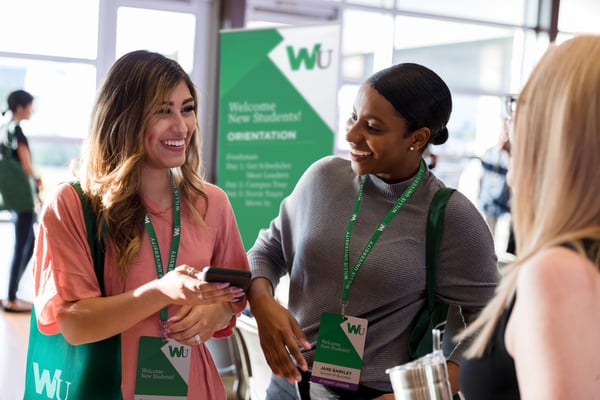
280, 336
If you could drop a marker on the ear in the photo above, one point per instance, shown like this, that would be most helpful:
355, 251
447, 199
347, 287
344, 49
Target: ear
421, 138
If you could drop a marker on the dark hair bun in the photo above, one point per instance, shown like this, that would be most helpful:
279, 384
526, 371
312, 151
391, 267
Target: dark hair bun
440, 137
419, 95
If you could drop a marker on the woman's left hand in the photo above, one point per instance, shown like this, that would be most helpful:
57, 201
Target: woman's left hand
193, 325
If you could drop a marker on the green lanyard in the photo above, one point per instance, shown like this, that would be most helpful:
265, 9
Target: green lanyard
174, 245
350, 275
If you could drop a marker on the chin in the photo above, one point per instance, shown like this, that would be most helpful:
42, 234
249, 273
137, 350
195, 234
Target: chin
357, 169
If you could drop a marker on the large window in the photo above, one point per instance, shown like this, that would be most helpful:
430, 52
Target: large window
484, 51
60, 50
51, 54
62, 28
579, 16
176, 41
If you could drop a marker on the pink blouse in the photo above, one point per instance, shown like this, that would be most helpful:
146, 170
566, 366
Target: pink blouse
63, 271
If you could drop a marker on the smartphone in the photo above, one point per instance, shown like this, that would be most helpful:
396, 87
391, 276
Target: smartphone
236, 277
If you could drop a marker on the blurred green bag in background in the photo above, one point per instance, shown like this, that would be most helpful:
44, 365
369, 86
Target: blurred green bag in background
17, 189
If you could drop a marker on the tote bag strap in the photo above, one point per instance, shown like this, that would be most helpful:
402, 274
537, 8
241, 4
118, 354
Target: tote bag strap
435, 229
7, 137
10, 135
433, 314
91, 226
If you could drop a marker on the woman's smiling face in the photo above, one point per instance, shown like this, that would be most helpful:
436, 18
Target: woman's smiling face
379, 140
170, 130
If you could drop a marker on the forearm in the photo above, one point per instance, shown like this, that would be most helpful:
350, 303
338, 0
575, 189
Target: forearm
93, 319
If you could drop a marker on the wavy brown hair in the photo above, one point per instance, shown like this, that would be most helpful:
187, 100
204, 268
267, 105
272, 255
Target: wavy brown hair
555, 150
134, 90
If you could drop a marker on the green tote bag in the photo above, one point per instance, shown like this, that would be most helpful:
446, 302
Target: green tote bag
17, 189
61, 371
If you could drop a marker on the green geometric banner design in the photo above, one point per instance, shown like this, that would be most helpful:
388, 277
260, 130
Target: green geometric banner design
277, 107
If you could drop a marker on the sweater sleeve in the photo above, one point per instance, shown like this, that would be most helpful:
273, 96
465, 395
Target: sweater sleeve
467, 269
271, 256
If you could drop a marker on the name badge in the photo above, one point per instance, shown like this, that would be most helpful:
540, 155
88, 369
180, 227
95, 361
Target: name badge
163, 369
339, 351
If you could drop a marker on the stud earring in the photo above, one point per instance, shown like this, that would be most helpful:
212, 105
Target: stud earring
412, 148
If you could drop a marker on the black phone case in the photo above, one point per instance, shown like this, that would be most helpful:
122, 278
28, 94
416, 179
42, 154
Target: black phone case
236, 277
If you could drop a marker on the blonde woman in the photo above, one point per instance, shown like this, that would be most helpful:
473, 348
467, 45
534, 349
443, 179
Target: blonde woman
538, 338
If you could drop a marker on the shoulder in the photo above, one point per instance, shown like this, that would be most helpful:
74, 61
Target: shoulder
328, 165
64, 196
557, 283
324, 172
217, 199
62, 210
458, 207
557, 272
19, 135
465, 227
214, 192
218, 206
558, 295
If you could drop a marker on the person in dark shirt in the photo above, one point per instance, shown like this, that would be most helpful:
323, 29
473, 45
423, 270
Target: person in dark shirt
20, 105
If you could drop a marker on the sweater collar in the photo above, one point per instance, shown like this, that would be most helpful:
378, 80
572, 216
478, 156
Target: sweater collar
391, 191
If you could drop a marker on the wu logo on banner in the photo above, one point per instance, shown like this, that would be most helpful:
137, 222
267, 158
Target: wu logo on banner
321, 58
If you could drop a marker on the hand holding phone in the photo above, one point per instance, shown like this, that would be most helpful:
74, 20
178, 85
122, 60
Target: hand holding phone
236, 277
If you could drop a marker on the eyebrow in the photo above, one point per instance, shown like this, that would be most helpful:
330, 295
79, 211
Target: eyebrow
368, 116
371, 117
186, 101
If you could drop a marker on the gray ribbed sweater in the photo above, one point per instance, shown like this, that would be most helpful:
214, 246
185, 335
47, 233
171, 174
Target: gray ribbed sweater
306, 240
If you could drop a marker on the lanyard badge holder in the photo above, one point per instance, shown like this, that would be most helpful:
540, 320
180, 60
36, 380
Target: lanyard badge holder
341, 338
163, 366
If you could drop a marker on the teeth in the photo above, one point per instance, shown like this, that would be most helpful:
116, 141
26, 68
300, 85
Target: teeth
361, 153
174, 143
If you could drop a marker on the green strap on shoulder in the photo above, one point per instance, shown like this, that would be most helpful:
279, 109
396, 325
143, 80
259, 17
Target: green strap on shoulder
433, 314
91, 226
435, 229
10, 137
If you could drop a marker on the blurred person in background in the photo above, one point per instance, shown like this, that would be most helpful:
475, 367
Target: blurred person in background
20, 106
494, 193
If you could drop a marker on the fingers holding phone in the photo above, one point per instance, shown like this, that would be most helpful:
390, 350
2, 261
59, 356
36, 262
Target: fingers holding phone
239, 279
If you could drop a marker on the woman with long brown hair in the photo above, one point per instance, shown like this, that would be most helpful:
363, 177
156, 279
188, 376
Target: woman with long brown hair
141, 171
